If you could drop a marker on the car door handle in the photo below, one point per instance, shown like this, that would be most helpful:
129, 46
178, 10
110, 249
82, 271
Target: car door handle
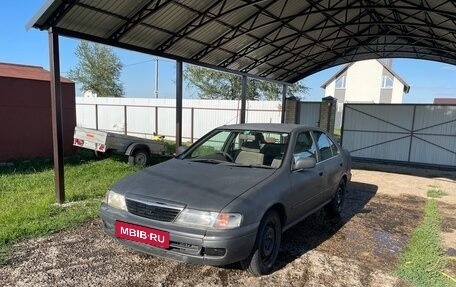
341, 164
320, 173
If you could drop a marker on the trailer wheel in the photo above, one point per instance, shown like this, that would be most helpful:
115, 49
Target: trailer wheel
102, 155
139, 157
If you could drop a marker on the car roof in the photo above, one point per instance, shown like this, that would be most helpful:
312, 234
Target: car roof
273, 127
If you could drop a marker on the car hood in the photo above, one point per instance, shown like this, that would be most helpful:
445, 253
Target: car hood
193, 184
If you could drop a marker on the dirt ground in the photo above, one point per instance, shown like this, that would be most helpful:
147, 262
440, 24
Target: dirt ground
362, 249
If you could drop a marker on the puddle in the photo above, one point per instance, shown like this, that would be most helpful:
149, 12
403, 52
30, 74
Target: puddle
387, 244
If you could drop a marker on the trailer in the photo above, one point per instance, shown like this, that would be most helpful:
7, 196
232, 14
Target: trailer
139, 150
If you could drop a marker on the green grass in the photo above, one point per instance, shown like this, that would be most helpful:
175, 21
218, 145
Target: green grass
436, 193
27, 196
424, 259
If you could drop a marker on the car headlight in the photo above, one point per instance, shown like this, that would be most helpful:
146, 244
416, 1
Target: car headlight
115, 200
207, 219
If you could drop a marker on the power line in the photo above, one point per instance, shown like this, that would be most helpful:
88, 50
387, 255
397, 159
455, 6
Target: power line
147, 61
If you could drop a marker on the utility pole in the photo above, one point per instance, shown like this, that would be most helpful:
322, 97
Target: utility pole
156, 77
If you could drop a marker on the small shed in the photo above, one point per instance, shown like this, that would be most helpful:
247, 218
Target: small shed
25, 112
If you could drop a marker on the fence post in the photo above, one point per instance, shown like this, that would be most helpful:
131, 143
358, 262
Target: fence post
412, 131
291, 110
284, 100
96, 116
156, 120
125, 119
328, 114
192, 122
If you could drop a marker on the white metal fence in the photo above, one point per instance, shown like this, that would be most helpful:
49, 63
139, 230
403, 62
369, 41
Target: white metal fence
423, 134
143, 117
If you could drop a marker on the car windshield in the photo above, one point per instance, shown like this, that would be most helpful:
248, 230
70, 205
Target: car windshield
244, 148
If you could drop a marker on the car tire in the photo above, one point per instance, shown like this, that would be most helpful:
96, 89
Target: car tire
335, 206
267, 244
139, 157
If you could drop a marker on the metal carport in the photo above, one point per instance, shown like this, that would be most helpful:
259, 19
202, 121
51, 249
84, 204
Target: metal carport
278, 40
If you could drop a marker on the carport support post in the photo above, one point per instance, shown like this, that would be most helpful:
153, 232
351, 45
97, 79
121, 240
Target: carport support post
56, 109
284, 102
179, 80
243, 98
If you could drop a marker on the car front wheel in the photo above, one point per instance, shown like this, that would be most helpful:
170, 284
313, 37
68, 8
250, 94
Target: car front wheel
264, 254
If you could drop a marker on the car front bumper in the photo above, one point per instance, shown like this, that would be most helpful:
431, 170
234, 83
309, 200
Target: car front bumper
189, 245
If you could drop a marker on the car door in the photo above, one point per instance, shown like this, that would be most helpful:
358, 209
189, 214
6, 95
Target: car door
331, 162
307, 184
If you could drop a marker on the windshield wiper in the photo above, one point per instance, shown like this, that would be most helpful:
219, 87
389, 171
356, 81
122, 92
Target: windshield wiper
252, 165
207, 160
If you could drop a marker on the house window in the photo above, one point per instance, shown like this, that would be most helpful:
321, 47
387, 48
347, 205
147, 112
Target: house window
387, 82
340, 82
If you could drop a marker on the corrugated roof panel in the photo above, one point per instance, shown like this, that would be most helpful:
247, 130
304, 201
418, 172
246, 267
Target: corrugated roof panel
185, 48
122, 8
290, 9
261, 68
269, 32
338, 30
240, 15
216, 57
234, 4
262, 52
144, 37
280, 59
300, 22
240, 63
199, 5
277, 74
209, 32
173, 18
88, 21
239, 43
303, 41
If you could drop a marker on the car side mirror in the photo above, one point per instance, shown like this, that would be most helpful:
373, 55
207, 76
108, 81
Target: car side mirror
304, 163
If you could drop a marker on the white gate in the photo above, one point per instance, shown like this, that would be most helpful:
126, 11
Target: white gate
413, 133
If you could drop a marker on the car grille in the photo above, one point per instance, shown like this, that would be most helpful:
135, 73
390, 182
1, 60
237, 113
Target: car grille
151, 211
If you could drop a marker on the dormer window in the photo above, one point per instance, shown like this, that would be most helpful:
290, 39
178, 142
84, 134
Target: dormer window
387, 82
340, 82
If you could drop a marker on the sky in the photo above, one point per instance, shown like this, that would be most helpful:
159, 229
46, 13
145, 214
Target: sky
427, 79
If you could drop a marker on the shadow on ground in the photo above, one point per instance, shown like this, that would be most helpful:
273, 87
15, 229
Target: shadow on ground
318, 228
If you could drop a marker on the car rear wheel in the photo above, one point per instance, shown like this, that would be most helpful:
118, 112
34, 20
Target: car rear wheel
139, 157
336, 205
264, 254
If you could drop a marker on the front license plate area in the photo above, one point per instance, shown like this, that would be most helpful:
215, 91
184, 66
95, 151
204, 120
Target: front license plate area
142, 234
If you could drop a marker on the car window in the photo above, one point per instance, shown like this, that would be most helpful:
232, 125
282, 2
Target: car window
334, 148
212, 145
305, 146
325, 145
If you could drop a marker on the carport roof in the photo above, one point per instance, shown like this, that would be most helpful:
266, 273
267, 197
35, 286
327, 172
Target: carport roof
281, 40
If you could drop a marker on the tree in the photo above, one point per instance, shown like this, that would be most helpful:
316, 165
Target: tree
212, 84
98, 70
